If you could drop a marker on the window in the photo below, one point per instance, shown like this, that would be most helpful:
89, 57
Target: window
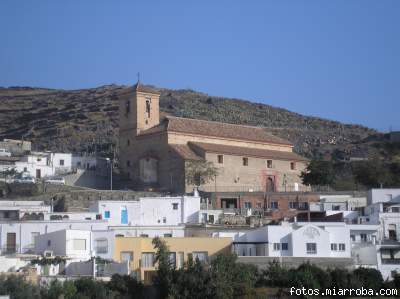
353, 238
247, 205
39, 159
293, 165
201, 255
334, 247
25, 169
101, 245
61, 162
79, 244
245, 161
127, 106
274, 204
181, 260
293, 205
311, 248
342, 247
285, 246
144, 235
167, 235
395, 209
48, 243
106, 214
126, 256
303, 205
269, 163
128, 163
220, 159
148, 259
277, 246
164, 219
148, 101
175, 206
172, 259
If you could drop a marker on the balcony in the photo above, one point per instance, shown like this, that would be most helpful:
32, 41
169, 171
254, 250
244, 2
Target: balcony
391, 261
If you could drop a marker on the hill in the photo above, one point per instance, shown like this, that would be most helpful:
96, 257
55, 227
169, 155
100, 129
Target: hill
87, 120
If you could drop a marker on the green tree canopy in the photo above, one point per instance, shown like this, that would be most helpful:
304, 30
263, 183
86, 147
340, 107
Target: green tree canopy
318, 173
200, 172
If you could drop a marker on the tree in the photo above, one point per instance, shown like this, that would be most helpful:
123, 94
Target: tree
318, 173
18, 288
230, 279
165, 269
126, 286
372, 173
200, 172
366, 277
275, 275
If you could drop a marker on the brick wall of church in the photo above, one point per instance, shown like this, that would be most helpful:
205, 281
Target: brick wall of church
234, 176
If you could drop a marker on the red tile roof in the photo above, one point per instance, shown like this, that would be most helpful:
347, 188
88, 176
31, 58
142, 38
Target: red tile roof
246, 151
222, 130
185, 152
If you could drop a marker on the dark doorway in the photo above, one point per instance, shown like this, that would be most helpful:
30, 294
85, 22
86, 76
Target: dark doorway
270, 184
11, 243
228, 203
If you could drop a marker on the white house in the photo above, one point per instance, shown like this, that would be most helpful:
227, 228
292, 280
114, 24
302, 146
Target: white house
74, 244
44, 164
19, 236
150, 211
293, 240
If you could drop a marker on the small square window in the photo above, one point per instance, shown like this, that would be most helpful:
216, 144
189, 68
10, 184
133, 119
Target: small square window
342, 247
175, 206
164, 220
106, 214
269, 163
285, 246
247, 205
274, 204
220, 159
61, 162
277, 246
293, 165
334, 247
245, 161
311, 248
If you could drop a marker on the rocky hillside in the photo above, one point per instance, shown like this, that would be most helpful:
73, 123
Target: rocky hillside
87, 119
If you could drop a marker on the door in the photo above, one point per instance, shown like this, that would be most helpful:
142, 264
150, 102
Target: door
11, 243
270, 184
124, 215
38, 174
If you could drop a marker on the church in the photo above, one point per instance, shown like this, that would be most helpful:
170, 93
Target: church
154, 151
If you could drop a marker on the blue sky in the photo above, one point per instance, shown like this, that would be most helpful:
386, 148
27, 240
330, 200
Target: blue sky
334, 59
